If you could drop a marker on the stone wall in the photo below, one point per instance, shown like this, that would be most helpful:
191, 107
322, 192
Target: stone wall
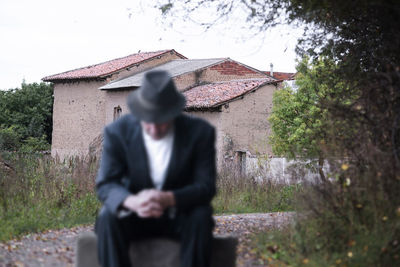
282, 170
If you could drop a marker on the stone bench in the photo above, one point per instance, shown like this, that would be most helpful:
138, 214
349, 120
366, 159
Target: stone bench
155, 252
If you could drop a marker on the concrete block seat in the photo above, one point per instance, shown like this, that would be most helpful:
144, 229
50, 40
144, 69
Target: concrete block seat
155, 252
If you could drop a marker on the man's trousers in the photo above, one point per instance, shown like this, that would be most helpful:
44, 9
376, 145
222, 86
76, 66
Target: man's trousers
193, 229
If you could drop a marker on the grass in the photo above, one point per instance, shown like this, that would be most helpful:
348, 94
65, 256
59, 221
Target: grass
39, 193
243, 194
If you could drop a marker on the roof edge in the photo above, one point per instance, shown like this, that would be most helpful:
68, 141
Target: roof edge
48, 78
236, 97
165, 52
244, 93
252, 68
186, 72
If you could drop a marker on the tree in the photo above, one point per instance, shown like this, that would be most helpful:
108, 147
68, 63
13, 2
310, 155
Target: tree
299, 120
359, 36
27, 111
358, 95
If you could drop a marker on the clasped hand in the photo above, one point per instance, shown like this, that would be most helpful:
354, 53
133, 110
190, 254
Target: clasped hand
149, 203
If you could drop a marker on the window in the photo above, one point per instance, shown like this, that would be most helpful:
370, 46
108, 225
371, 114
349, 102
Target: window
117, 112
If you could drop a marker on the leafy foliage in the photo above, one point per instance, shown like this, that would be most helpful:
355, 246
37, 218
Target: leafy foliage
26, 117
298, 119
353, 216
9, 138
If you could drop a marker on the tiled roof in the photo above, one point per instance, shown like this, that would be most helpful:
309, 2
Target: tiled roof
106, 68
282, 75
175, 68
216, 94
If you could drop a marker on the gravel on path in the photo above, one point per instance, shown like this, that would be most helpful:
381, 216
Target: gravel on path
57, 247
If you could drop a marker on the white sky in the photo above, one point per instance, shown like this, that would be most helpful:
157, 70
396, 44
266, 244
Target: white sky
44, 37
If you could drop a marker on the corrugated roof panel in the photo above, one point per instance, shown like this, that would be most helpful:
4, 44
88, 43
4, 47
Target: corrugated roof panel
175, 67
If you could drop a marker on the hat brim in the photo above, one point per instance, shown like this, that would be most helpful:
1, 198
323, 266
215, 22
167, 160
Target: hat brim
157, 115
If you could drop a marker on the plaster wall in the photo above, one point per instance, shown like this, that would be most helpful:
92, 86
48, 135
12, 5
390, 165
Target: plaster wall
81, 110
78, 117
118, 98
244, 123
185, 81
113, 100
241, 125
214, 119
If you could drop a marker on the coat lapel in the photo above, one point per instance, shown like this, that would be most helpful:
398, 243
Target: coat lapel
139, 159
172, 166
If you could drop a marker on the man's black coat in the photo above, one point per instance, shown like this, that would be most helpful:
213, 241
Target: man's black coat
124, 165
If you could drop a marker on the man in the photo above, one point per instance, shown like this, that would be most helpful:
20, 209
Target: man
156, 176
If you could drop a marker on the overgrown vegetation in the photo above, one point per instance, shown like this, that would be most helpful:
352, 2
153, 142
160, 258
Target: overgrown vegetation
241, 194
351, 213
39, 193
26, 118
346, 233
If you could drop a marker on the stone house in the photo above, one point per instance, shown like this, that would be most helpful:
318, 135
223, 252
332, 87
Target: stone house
79, 112
235, 98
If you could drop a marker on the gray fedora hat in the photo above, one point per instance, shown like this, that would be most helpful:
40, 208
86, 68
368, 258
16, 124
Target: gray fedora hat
157, 100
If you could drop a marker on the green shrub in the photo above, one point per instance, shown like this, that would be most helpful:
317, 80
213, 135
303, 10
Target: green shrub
34, 144
10, 140
347, 221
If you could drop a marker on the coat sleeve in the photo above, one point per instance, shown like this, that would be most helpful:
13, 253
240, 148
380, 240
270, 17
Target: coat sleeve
110, 190
202, 189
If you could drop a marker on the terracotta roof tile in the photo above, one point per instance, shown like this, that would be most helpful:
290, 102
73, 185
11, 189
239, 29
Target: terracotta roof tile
106, 68
215, 94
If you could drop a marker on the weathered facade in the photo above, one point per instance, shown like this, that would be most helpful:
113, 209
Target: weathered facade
235, 98
241, 119
242, 124
79, 113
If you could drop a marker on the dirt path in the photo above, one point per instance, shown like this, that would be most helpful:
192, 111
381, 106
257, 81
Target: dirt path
57, 247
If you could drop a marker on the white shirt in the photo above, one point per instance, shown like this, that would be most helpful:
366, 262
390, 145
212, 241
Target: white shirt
159, 155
